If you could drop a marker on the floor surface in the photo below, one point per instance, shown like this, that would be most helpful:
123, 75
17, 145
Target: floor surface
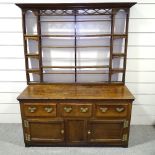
142, 142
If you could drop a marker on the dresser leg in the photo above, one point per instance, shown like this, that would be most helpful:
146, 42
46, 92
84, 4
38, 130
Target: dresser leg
125, 145
27, 145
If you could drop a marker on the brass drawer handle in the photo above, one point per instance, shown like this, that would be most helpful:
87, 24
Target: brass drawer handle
120, 109
89, 132
32, 109
48, 109
84, 110
68, 109
62, 131
104, 109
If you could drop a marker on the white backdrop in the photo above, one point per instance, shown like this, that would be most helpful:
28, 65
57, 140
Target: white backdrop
140, 77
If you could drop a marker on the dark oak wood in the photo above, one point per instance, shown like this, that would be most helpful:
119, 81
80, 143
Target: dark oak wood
75, 114
53, 114
74, 5
76, 91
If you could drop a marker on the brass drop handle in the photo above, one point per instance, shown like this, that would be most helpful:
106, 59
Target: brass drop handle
89, 132
48, 109
68, 109
83, 110
32, 109
103, 109
120, 109
62, 131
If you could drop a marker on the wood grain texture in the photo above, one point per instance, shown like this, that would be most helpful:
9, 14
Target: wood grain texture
76, 91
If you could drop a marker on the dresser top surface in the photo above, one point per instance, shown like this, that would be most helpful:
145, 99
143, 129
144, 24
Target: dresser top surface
74, 91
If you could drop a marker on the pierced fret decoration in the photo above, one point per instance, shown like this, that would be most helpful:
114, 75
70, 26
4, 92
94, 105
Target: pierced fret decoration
56, 12
94, 12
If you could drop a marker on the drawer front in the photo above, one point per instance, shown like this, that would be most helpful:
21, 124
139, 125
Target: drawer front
111, 110
76, 110
40, 109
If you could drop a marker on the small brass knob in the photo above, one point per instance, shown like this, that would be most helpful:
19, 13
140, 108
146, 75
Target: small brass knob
68, 109
62, 131
84, 110
120, 109
89, 132
32, 109
48, 109
103, 109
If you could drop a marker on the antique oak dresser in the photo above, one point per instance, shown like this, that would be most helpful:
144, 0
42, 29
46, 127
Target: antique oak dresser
75, 61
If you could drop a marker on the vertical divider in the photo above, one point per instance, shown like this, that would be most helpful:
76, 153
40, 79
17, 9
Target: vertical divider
126, 44
39, 45
111, 45
75, 44
25, 45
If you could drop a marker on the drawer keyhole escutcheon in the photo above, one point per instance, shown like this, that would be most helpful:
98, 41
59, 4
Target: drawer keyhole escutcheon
68, 109
62, 131
48, 109
84, 110
103, 109
121, 109
32, 109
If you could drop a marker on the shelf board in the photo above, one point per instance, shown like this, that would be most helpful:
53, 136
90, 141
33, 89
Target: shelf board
117, 70
32, 37
89, 35
32, 55
118, 55
105, 66
74, 73
36, 37
36, 71
76, 21
76, 46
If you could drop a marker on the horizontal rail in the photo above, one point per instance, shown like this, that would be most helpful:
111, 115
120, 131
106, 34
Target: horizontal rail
76, 46
105, 66
78, 35
76, 21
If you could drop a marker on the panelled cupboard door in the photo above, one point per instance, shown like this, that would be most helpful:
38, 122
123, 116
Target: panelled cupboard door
104, 131
76, 131
45, 131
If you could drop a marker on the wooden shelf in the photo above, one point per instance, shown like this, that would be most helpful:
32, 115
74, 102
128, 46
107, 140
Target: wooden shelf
117, 70
35, 37
76, 46
106, 66
32, 37
115, 55
31, 55
37, 71
74, 73
76, 21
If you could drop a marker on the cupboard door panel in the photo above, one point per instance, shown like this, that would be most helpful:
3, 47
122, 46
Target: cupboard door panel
105, 131
46, 130
76, 131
